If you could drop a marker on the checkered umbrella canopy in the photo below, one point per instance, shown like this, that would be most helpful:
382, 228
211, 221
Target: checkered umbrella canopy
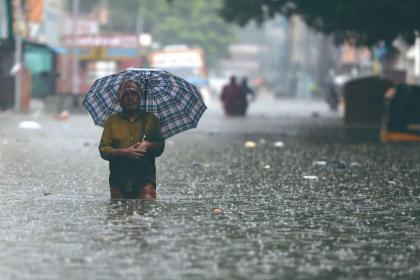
177, 103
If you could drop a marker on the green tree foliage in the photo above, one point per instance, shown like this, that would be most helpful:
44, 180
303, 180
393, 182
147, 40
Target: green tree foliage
192, 22
363, 22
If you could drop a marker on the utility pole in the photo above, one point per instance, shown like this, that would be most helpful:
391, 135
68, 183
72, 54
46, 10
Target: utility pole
18, 54
139, 32
75, 48
139, 23
417, 59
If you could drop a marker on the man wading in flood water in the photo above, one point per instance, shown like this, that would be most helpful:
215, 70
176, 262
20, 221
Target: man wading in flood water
130, 142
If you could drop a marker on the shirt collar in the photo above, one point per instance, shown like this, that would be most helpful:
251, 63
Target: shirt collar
139, 116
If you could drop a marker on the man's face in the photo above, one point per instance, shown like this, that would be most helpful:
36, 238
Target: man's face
130, 101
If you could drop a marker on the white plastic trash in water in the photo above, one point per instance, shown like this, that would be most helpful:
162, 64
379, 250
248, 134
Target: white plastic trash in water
319, 163
278, 144
355, 164
29, 125
310, 177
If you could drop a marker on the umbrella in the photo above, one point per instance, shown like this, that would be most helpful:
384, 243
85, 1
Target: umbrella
176, 103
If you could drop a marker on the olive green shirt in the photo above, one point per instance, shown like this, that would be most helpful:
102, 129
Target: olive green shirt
120, 132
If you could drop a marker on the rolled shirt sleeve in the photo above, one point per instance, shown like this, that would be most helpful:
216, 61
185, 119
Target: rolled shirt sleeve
105, 146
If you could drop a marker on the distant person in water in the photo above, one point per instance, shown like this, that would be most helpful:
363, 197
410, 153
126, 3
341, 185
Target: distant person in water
131, 140
246, 94
231, 98
235, 97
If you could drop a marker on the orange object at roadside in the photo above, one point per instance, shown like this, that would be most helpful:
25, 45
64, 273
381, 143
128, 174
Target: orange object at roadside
401, 119
35, 10
26, 90
387, 136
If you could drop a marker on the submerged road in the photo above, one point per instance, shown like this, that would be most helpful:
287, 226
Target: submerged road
306, 198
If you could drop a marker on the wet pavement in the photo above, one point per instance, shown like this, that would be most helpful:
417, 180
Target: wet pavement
305, 198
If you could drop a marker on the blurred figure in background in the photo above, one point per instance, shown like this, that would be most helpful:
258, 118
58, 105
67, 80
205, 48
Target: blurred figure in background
235, 97
332, 98
331, 95
231, 98
247, 94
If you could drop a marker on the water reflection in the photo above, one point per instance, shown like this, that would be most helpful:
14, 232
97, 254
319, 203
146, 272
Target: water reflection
129, 222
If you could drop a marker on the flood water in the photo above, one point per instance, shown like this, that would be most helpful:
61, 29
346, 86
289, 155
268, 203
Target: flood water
284, 217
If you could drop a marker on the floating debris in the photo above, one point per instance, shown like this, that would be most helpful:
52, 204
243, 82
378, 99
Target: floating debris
335, 166
278, 144
250, 144
319, 163
47, 193
63, 116
330, 165
310, 177
267, 166
29, 125
217, 211
355, 164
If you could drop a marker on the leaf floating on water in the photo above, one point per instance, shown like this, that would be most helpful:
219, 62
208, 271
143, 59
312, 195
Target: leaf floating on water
250, 144
216, 211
